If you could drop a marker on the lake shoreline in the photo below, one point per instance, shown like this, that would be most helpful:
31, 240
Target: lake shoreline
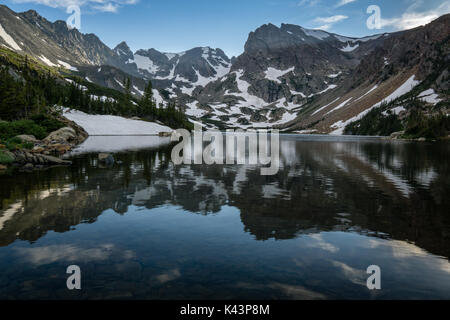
48, 152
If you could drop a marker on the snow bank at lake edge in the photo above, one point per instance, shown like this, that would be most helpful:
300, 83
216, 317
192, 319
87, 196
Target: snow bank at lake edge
104, 125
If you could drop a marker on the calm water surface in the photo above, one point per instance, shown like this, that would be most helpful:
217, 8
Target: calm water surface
146, 229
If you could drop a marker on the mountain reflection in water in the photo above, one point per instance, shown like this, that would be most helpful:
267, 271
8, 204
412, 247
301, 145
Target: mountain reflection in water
145, 228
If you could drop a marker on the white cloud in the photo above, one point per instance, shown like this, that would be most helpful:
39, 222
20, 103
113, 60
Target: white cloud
107, 7
344, 2
332, 19
98, 5
309, 3
329, 21
412, 19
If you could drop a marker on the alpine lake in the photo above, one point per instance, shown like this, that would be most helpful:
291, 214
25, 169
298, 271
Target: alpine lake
145, 228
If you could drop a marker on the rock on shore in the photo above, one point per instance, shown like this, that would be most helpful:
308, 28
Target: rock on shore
47, 152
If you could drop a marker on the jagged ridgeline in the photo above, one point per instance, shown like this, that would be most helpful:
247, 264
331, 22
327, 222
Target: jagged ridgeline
28, 87
288, 77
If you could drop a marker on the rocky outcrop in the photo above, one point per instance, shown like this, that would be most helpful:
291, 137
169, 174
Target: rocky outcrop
27, 138
24, 157
80, 134
48, 151
62, 135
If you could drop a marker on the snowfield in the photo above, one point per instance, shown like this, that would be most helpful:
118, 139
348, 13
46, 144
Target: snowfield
429, 96
403, 89
8, 39
103, 125
273, 74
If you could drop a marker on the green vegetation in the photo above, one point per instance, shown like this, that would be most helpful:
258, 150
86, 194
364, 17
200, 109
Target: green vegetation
416, 123
39, 126
48, 122
5, 158
421, 120
431, 128
375, 123
14, 128
13, 144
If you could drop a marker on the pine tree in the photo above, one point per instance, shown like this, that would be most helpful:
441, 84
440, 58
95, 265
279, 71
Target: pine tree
147, 105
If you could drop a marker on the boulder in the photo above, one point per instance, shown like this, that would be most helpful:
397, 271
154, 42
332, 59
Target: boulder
60, 148
27, 138
19, 157
62, 135
54, 160
37, 149
397, 135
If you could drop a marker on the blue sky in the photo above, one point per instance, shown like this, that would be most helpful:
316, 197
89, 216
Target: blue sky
177, 25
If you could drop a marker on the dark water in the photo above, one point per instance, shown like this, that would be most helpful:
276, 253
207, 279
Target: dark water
146, 229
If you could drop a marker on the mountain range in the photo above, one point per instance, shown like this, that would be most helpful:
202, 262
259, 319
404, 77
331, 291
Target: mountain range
288, 77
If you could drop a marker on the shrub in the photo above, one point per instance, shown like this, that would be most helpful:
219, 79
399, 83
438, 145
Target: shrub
16, 144
419, 126
375, 123
5, 158
11, 129
48, 123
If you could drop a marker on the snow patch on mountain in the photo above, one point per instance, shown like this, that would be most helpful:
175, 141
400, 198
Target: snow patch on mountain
274, 74
194, 111
403, 89
67, 66
429, 96
119, 83
367, 93
343, 104
8, 39
350, 48
318, 34
325, 106
47, 61
145, 63
335, 75
250, 100
157, 96
330, 87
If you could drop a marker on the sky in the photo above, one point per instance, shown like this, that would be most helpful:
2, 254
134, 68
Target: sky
179, 25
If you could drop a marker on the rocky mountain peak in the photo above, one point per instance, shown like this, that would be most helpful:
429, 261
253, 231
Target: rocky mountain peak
123, 51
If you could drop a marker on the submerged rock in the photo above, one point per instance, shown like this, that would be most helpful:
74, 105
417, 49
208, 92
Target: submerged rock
28, 166
106, 158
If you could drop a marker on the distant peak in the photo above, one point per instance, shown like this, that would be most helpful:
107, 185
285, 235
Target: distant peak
123, 45
32, 13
